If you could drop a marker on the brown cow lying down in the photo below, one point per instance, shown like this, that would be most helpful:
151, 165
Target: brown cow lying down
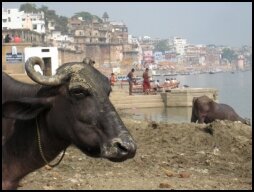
205, 110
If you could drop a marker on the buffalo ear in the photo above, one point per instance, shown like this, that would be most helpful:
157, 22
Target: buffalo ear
25, 108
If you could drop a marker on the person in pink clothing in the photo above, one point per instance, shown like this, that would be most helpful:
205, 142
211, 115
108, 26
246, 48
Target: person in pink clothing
17, 39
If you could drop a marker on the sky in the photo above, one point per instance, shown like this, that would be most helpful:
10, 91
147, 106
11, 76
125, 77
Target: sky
220, 23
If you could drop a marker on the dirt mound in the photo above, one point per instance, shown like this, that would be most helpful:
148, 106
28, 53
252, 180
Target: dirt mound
175, 156
221, 146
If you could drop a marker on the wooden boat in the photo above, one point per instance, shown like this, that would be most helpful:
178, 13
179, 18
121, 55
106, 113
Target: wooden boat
138, 87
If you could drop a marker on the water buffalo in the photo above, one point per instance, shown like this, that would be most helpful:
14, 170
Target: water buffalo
205, 110
72, 107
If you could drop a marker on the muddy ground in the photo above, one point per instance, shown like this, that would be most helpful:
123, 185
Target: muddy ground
169, 156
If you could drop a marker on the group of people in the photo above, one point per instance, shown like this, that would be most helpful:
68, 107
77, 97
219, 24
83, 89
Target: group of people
146, 81
171, 80
9, 39
147, 88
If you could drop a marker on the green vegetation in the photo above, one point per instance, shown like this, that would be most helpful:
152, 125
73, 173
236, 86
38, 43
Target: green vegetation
28, 8
228, 54
162, 46
50, 15
87, 16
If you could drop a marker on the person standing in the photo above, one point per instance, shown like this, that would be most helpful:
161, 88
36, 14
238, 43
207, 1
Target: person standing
131, 80
112, 79
7, 39
146, 82
17, 39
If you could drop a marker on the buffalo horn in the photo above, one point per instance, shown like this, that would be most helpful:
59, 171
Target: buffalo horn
37, 77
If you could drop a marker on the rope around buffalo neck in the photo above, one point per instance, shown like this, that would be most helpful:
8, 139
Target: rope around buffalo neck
41, 152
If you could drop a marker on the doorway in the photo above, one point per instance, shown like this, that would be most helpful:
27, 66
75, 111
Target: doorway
47, 62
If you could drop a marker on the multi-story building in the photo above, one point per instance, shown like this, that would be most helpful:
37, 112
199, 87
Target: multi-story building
12, 19
148, 59
195, 54
158, 56
119, 32
15, 19
56, 39
212, 57
34, 22
137, 47
178, 44
171, 56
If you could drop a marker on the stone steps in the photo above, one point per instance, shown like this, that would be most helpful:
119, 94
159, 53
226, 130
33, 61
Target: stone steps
138, 105
122, 100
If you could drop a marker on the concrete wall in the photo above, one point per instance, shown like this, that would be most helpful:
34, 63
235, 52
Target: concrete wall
95, 52
183, 97
66, 56
106, 55
44, 52
13, 66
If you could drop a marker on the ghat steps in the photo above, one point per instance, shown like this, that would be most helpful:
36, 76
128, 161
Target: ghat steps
122, 100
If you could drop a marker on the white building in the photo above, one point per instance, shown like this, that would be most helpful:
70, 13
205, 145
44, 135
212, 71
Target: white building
51, 25
48, 54
240, 62
11, 19
15, 19
158, 56
134, 40
179, 44
61, 41
34, 22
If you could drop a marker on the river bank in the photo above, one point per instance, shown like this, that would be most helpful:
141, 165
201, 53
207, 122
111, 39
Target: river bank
169, 156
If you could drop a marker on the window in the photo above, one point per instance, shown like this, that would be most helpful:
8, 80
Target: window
9, 19
4, 20
34, 27
9, 11
45, 50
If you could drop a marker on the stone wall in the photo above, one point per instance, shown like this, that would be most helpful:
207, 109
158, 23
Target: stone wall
108, 55
183, 97
27, 36
66, 56
10, 64
95, 52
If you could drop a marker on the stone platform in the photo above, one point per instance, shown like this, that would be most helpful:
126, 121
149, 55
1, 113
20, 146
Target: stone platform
120, 98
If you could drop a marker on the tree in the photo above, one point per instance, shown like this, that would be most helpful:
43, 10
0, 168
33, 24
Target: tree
62, 24
61, 21
229, 54
161, 45
87, 16
44, 9
28, 8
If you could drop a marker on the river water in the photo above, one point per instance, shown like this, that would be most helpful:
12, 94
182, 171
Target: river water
234, 89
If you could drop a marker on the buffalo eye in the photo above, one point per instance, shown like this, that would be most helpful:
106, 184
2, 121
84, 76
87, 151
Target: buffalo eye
79, 93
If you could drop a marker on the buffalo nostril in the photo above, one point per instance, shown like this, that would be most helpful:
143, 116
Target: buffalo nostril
121, 147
